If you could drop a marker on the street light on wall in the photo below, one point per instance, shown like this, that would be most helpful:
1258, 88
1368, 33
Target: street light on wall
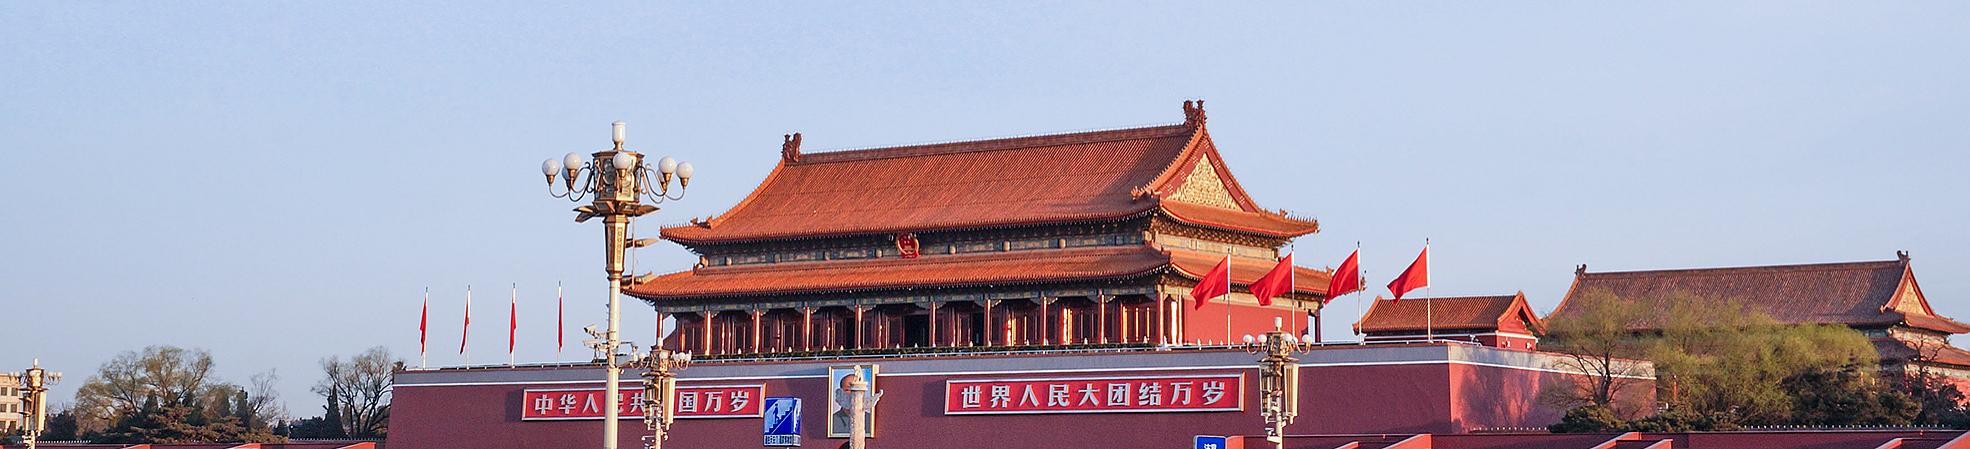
619, 182
659, 386
1279, 379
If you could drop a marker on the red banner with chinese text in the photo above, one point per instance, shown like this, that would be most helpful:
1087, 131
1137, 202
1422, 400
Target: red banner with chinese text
693, 401
1192, 393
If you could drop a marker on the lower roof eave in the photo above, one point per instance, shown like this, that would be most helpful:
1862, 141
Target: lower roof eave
768, 295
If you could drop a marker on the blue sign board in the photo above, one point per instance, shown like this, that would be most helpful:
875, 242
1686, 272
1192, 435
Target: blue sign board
781, 421
1209, 442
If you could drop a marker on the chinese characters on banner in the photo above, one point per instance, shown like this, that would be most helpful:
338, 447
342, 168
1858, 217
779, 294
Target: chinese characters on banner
693, 401
1193, 393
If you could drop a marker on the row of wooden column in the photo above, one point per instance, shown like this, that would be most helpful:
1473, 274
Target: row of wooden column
997, 332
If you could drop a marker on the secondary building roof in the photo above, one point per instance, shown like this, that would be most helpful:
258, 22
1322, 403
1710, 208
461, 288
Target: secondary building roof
1116, 174
1508, 313
1858, 294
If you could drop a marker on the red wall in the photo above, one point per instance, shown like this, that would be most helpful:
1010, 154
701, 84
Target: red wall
1444, 395
1207, 325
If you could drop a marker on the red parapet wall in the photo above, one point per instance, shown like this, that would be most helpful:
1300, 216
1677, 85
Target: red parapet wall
1435, 388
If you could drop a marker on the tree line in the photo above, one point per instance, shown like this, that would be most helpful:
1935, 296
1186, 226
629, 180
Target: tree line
1718, 364
169, 395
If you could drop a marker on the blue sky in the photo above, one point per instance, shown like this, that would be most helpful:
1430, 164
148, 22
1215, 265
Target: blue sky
279, 182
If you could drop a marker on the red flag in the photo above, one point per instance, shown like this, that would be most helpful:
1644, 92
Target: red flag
466, 330
1275, 282
512, 319
560, 319
1417, 276
1347, 278
423, 322
1214, 284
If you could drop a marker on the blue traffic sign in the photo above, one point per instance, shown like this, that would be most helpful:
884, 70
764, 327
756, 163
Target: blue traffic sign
781, 425
1210, 442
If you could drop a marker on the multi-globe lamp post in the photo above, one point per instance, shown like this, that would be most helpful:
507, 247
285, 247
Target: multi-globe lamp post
1279, 379
34, 389
619, 182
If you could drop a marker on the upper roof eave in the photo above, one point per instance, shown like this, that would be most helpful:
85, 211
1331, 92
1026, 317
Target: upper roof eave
674, 233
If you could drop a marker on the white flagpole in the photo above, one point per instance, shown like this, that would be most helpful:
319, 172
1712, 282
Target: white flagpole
465, 334
560, 314
424, 331
1290, 285
512, 319
1361, 287
1227, 299
1429, 300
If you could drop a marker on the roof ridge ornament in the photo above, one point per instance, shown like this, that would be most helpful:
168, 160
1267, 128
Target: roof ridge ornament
1193, 115
790, 148
1901, 254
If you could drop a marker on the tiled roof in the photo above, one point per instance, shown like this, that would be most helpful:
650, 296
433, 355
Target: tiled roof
1451, 313
1854, 293
929, 271
1237, 220
1935, 323
1195, 265
1894, 350
1060, 178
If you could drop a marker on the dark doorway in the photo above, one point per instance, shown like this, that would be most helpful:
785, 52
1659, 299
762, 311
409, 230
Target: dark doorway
978, 329
916, 330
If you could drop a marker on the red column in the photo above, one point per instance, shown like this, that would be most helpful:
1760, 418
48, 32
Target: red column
755, 329
660, 331
858, 327
708, 316
807, 328
1044, 333
1316, 324
1161, 327
933, 324
1101, 318
991, 327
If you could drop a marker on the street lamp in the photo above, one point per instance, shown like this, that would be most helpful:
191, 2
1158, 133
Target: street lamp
1279, 379
619, 181
659, 385
34, 392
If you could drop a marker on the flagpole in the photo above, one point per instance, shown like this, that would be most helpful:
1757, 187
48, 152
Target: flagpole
512, 323
1291, 285
423, 331
1227, 299
1429, 299
560, 320
1360, 291
465, 333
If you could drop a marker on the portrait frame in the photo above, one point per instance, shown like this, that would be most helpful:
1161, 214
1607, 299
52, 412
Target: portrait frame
837, 414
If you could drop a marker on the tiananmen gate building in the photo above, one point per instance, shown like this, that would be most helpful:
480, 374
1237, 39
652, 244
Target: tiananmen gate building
1019, 292
1047, 241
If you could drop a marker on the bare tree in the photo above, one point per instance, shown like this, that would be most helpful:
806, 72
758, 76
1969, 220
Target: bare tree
1597, 343
166, 374
263, 398
358, 391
